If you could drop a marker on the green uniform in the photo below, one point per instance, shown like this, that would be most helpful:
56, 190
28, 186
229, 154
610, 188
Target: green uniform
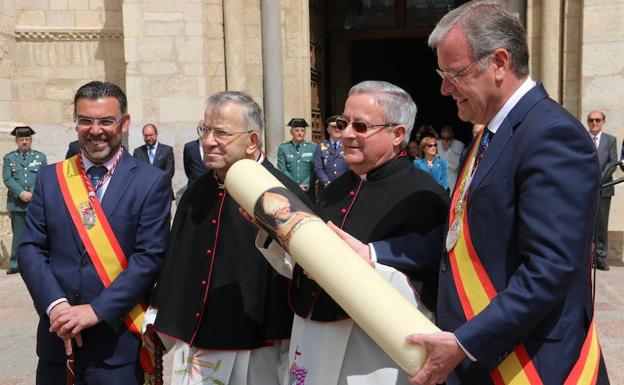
19, 171
297, 161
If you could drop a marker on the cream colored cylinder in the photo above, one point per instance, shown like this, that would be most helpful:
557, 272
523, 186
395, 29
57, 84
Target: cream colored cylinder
550, 71
382, 312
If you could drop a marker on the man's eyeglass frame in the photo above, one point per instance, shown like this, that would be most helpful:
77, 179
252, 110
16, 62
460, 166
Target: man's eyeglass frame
359, 127
101, 122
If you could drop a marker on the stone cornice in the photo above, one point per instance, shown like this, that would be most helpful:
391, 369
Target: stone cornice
23, 33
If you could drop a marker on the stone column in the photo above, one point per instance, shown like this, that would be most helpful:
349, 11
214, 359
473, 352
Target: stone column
550, 69
7, 64
273, 76
234, 36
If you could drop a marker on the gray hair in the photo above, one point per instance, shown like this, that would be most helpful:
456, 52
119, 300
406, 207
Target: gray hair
252, 113
398, 105
488, 25
96, 90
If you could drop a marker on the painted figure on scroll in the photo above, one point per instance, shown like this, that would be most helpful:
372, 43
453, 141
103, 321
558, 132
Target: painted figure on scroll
515, 300
326, 347
281, 216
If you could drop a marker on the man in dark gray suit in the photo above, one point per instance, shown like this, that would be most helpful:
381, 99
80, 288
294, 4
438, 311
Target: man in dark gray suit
154, 152
607, 156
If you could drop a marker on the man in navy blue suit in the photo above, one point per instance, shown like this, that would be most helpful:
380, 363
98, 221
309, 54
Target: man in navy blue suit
514, 299
92, 247
193, 156
514, 285
154, 152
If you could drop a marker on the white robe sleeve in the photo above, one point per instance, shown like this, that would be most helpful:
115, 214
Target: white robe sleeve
277, 257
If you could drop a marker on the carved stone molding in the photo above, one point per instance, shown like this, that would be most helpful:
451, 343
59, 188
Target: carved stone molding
40, 34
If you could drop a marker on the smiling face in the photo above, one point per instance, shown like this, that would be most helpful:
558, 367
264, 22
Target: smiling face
366, 151
98, 143
475, 91
298, 134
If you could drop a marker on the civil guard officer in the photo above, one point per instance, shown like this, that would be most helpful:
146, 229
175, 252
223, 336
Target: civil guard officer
329, 162
19, 170
295, 158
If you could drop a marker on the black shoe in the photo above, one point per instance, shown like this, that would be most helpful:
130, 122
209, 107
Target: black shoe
602, 265
13, 270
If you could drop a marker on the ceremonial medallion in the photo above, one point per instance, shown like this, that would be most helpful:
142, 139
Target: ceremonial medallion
87, 214
453, 234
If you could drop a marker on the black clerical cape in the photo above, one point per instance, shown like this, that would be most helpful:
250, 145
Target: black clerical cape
216, 291
395, 199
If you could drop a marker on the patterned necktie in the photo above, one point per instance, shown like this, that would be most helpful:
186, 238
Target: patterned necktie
150, 154
96, 173
335, 146
483, 144
595, 141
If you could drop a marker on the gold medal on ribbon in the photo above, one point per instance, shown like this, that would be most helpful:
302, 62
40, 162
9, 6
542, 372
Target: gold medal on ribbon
87, 214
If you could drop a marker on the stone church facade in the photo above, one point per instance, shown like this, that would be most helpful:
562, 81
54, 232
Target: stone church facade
169, 55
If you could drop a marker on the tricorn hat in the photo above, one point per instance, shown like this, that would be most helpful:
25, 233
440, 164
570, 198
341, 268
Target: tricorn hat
22, 131
297, 122
331, 119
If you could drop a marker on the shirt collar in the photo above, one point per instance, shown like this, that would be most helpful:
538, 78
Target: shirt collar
108, 164
497, 120
597, 136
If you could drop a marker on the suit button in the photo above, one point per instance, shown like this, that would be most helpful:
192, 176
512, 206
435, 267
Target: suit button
83, 262
443, 266
77, 297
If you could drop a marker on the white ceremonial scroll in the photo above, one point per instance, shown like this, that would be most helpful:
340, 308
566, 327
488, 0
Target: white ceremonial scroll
380, 310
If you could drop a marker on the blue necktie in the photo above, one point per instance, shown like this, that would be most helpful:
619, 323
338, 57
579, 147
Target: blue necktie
483, 145
150, 154
95, 174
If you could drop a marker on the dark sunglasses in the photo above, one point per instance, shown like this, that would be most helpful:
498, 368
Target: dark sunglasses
597, 120
359, 127
431, 145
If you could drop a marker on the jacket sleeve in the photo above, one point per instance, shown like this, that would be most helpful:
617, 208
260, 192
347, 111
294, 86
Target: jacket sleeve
318, 166
8, 179
612, 160
170, 168
34, 254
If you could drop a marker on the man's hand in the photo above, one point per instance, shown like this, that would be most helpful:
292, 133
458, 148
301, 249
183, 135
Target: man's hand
72, 320
55, 312
26, 196
303, 187
443, 355
360, 248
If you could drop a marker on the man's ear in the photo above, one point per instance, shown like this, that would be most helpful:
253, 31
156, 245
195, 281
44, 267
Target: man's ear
399, 134
254, 143
126, 124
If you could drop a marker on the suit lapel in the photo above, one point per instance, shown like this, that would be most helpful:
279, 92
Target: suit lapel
505, 132
118, 183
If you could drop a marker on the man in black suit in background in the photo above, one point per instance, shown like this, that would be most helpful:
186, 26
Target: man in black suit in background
154, 152
193, 156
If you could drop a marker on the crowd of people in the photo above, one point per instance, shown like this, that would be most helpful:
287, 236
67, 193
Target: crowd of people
505, 280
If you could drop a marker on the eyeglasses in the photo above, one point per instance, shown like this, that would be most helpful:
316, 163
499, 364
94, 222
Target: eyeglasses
430, 145
454, 77
359, 127
219, 134
597, 120
86, 122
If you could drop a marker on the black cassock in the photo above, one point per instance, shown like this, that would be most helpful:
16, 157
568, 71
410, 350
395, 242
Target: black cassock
395, 199
216, 291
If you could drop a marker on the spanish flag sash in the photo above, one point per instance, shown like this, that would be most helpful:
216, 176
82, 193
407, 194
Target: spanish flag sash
95, 232
475, 291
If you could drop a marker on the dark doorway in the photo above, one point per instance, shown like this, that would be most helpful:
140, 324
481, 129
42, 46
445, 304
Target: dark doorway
409, 64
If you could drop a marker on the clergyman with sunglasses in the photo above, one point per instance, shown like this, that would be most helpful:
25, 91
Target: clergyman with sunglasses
381, 196
96, 231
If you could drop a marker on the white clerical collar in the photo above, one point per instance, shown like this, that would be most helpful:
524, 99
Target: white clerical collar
497, 120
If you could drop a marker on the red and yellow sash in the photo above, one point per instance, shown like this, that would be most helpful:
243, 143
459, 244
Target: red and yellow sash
475, 291
99, 240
